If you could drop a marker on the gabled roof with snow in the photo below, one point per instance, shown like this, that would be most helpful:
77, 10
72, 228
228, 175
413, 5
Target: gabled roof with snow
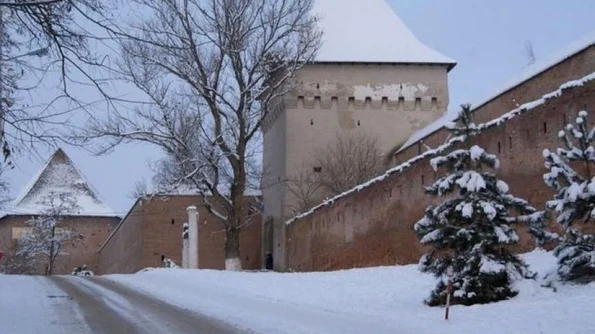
528, 73
369, 31
58, 176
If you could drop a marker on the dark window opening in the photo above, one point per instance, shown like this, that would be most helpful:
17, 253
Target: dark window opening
317, 169
390, 194
311, 121
173, 221
499, 148
385, 99
510, 143
564, 119
544, 127
358, 123
422, 180
368, 99
351, 99
317, 86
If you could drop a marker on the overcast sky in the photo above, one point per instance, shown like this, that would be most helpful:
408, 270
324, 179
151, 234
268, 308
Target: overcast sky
487, 38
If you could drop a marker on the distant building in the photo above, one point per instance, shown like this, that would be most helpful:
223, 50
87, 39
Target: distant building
372, 76
92, 218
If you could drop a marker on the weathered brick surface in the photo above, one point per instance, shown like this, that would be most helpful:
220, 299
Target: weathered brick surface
94, 231
122, 251
158, 224
375, 226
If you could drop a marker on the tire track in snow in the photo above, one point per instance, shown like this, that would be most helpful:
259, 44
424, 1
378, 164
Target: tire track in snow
108, 307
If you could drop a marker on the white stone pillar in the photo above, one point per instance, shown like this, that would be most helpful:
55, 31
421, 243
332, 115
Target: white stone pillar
192, 237
185, 251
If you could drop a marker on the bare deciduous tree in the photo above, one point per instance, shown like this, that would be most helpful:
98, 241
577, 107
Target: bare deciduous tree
306, 189
352, 159
212, 71
349, 160
45, 241
58, 33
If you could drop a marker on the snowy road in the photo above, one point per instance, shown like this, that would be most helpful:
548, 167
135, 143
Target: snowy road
107, 307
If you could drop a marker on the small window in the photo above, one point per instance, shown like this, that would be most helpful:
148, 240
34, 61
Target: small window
385, 99
417, 102
311, 121
358, 123
510, 143
499, 147
351, 100
544, 127
317, 86
390, 194
368, 99
423, 180
564, 119
317, 169
173, 221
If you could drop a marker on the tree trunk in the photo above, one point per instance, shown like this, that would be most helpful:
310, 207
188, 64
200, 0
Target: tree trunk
50, 267
232, 249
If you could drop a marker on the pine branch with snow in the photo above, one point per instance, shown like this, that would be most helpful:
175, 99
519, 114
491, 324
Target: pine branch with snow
570, 174
470, 229
44, 242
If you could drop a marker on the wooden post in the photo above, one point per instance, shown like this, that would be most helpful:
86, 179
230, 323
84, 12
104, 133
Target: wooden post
449, 272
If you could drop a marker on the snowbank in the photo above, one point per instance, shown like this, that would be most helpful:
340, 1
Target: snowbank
371, 300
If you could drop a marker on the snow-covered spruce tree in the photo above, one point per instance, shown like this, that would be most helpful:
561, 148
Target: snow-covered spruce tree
572, 175
470, 229
45, 241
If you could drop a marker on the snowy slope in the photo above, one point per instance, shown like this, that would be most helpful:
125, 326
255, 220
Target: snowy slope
59, 175
527, 73
371, 300
369, 31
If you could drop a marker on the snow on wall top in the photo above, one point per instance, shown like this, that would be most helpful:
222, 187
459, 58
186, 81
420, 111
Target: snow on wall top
527, 73
495, 122
369, 31
59, 175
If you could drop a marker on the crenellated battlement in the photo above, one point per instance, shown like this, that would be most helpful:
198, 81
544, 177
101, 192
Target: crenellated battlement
425, 103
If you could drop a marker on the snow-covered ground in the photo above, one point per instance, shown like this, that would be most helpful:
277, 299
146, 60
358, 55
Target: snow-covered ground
372, 300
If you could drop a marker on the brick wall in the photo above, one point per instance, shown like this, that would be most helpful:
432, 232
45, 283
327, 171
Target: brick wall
158, 223
375, 226
577, 66
122, 251
94, 231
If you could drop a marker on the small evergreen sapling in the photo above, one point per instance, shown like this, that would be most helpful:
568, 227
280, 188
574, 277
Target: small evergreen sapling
572, 176
471, 228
